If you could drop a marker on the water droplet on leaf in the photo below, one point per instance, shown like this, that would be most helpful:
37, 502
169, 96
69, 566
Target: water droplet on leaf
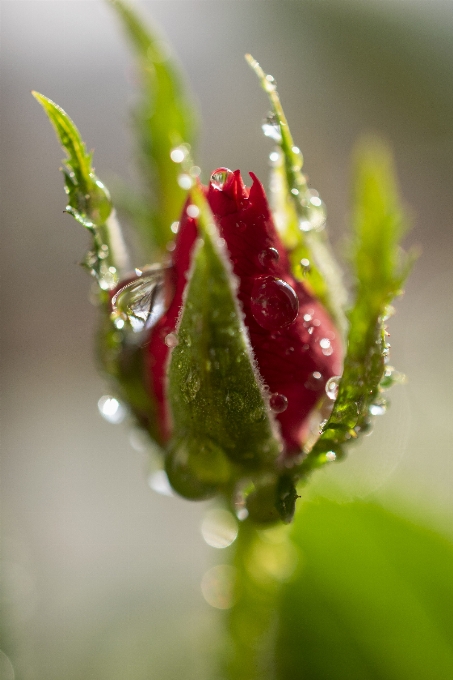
271, 128
332, 386
171, 340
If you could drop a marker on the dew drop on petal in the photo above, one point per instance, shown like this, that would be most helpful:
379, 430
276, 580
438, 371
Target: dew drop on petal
219, 178
314, 382
111, 409
274, 303
268, 256
332, 386
278, 403
171, 340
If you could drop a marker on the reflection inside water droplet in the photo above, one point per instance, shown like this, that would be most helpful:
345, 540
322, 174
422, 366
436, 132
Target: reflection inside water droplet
219, 528
111, 409
219, 178
217, 586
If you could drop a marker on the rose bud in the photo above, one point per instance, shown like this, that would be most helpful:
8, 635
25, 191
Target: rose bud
294, 342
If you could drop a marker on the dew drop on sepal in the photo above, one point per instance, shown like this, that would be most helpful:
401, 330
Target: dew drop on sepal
271, 128
332, 386
142, 301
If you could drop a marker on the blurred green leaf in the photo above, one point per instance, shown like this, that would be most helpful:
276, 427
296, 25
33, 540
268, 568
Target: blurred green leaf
300, 215
380, 269
220, 416
88, 200
373, 598
164, 120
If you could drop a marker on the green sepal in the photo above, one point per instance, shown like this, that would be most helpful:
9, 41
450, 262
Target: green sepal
295, 206
164, 119
380, 268
214, 392
88, 200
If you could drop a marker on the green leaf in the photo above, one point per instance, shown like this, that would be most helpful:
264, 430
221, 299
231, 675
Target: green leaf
299, 213
88, 200
372, 599
164, 120
380, 269
220, 413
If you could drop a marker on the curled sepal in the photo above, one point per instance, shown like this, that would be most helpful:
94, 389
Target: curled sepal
299, 212
380, 268
214, 392
88, 199
164, 123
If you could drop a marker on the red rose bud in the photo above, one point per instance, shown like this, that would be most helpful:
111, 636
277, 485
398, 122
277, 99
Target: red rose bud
294, 341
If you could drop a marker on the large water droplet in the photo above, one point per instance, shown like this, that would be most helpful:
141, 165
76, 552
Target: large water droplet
158, 482
271, 128
332, 386
274, 303
219, 528
278, 403
142, 301
111, 409
219, 178
268, 257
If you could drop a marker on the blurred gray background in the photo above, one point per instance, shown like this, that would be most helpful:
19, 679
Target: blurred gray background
101, 573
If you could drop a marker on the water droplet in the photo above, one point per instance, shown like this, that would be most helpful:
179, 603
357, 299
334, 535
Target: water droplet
268, 257
174, 227
219, 528
324, 343
158, 482
316, 201
270, 84
278, 403
274, 157
308, 317
193, 211
271, 128
178, 154
195, 171
242, 514
141, 301
103, 252
274, 303
119, 323
217, 586
295, 192
332, 386
314, 382
378, 408
171, 340
331, 456
305, 225
185, 181
111, 409
219, 178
